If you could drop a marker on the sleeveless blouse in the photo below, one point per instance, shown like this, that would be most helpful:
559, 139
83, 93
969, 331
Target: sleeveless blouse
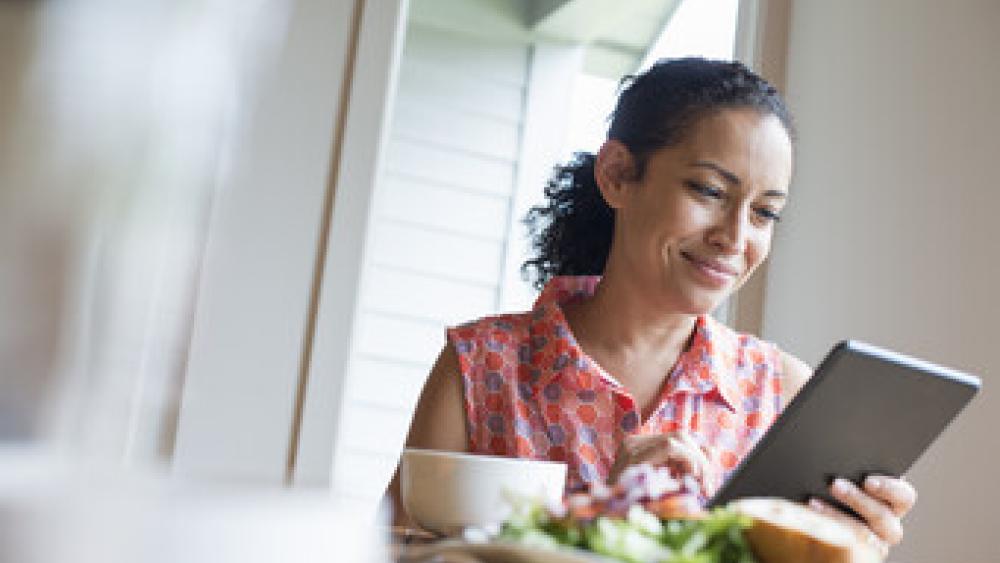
530, 391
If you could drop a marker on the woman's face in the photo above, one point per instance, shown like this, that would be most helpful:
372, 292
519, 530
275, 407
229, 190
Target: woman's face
700, 219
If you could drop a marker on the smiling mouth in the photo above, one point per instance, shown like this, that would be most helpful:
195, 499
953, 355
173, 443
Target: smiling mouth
716, 271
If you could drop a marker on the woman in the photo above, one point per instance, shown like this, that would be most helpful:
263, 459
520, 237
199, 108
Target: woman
619, 362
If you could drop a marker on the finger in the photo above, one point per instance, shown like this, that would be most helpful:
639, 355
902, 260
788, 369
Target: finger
697, 450
656, 449
686, 445
708, 471
677, 455
677, 450
899, 494
877, 514
672, 451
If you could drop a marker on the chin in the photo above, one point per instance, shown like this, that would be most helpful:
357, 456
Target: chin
700, 305
704, 303
689, 297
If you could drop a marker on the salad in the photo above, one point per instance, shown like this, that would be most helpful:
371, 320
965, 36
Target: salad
648, 516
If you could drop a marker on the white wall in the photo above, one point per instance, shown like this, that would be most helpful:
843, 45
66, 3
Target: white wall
255, 301
112, 120
891, 235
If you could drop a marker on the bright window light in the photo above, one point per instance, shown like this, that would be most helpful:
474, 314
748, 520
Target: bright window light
701, 28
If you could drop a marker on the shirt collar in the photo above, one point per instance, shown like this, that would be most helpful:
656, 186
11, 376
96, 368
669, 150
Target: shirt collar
707, 364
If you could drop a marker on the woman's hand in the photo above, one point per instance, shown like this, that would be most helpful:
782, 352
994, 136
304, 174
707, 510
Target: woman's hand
882, 501
676, 450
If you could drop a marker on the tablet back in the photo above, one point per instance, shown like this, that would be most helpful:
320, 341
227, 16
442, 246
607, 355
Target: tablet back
865, 410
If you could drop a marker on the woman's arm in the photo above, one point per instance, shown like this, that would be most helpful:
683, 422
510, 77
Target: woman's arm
438, 423
794, 374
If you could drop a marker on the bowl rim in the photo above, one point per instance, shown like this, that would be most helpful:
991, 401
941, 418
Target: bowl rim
424, 452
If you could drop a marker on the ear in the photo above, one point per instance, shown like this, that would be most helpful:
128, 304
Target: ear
614, 171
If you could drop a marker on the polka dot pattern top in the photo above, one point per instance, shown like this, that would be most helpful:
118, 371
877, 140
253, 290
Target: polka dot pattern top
532, 392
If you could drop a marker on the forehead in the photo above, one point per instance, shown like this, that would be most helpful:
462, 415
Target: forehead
753, 145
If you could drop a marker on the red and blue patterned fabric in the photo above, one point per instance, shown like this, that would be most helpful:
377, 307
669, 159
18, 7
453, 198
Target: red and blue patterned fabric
532, 392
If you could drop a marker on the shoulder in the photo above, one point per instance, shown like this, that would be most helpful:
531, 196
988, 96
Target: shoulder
792, 371
500, 328
492, 341
794, 374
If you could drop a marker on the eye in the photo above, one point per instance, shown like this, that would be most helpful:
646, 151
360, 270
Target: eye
768, 214
705, 190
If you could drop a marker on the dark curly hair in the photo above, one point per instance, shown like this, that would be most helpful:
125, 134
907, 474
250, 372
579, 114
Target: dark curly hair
571, 233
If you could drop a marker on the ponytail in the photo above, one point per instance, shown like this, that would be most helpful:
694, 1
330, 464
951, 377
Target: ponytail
571, 232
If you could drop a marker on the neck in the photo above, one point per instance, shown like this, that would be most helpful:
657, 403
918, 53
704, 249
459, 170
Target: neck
620, 325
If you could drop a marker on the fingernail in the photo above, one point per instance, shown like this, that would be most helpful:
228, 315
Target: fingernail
817, 504
873, 483
841, 485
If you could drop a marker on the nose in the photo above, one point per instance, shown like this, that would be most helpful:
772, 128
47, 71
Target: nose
729, 236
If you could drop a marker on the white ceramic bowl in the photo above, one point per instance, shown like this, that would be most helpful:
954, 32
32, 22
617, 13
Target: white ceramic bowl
446, 491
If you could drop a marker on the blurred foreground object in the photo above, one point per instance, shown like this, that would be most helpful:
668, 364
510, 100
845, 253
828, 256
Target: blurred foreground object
784, 531
51, 512
115, 120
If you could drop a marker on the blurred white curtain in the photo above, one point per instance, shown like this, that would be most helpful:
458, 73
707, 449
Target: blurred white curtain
115, 120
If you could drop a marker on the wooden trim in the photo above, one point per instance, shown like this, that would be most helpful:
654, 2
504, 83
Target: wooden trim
365, 132
256, 284
338, 145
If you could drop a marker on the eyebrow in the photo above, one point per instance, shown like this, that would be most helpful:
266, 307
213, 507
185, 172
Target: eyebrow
733, 178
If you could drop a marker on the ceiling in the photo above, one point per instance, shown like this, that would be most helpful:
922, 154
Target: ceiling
617, 34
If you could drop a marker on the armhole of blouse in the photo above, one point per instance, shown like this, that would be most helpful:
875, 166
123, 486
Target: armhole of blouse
468, 386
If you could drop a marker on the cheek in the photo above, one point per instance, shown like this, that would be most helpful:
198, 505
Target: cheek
758, 248
687, 221
665, 224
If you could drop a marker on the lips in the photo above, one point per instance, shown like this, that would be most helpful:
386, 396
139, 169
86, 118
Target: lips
716, 269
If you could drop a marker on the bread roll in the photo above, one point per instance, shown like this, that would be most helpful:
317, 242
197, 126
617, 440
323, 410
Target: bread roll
787, 532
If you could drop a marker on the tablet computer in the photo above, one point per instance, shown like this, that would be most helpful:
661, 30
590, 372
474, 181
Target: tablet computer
864, 411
